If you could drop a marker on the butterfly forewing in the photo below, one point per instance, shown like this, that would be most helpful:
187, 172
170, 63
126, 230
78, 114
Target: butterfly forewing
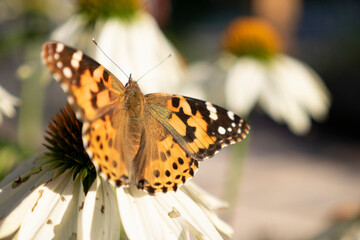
92, 90
200, 127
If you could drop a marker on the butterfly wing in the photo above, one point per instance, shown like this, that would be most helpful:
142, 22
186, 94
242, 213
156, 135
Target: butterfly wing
96, 96
185, 131
92, 90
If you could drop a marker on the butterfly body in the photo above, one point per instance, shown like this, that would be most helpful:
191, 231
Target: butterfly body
154, 141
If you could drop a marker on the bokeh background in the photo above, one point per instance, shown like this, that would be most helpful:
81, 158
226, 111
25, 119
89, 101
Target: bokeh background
289, 186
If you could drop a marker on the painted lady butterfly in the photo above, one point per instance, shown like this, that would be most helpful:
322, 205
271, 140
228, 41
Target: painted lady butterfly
154, 141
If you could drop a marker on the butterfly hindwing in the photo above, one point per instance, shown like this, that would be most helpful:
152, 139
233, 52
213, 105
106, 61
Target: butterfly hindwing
161, 165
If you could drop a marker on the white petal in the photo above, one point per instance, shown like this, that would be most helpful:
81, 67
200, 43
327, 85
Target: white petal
200, 196
67, 229
151, 213
73, 31
306, 86
191, 212
17, 201
20, 170
283, 96
208, 203
8, 103
136, 47
47, 211
14, 200
99, 217
244, 83
145, 217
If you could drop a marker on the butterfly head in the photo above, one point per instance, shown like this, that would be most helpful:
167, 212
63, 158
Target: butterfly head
131, 83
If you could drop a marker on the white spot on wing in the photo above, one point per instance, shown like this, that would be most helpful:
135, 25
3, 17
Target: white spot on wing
221, 130
56, 56
60, 47
231, 115
67, 72
70, 100
239, 131
75, 63
210, 107
77, 55
233, 124
213, 116
59, 64
76, 58
229, 129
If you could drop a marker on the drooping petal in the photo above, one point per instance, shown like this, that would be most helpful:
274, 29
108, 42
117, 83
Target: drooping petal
18, 194
305, 85
244, 84
151, 213
208, 203
144, 217
99, 218
48, 209
201, 197
67, 229
17, 197
191, 212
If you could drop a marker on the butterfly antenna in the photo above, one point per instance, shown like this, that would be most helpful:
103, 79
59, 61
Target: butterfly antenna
109, 58
170, 55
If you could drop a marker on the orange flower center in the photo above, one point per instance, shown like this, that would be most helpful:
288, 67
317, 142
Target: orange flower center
252, 37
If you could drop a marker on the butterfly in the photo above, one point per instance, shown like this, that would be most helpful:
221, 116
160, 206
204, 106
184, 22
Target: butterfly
155, 140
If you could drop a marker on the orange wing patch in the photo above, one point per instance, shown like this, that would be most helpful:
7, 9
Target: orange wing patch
100, 139
162, 165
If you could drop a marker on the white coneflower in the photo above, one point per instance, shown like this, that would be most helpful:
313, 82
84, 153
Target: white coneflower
129, 36
58, 195
7, 104
258, 73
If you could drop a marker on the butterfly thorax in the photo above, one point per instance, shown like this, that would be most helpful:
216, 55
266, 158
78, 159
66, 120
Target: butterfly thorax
134, 99
133, 121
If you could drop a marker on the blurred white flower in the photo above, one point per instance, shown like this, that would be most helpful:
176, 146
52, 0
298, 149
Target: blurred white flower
7, 104
58, 195
285, 88
130, 37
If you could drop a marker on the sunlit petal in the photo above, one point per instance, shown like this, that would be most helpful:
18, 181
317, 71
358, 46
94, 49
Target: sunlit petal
99, 216
136, 47
48, 209
244, 84
67, 229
